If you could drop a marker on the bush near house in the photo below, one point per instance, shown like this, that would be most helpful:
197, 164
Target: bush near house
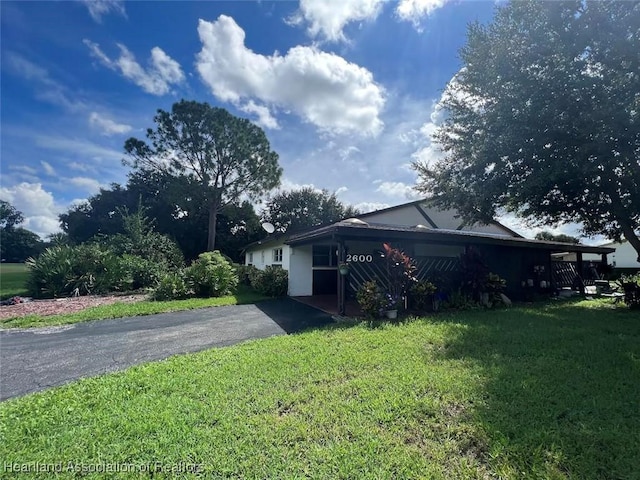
372, 299
272, 281
212, 275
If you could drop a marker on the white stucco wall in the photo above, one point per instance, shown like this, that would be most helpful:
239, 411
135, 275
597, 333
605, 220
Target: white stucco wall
263, 256
625, 255
300, 271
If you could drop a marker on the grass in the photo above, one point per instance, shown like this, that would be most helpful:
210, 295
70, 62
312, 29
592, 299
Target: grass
13, 279
123, 309
546, 392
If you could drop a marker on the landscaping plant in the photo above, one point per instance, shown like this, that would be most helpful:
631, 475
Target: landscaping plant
272, 281
400, 270
372, 299
212, 275
421, 295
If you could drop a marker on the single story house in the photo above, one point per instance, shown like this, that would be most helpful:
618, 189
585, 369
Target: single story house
434, 238
624, 258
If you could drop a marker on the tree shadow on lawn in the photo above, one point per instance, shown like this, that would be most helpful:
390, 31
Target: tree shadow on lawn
292, 316
560, 388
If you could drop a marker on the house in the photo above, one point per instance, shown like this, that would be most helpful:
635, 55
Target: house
624, 258
433, 237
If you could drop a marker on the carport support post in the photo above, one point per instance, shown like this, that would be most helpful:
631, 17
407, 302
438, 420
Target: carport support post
580, 271
342, 279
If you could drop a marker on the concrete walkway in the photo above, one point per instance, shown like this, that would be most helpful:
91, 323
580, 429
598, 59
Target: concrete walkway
38, 358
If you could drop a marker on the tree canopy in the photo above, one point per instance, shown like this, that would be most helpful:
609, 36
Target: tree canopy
543, 118
222, 158
9, 215
296, 209
16, 243
176, 208
560, 237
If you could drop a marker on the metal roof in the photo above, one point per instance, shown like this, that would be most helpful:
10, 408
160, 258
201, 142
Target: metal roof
382, 232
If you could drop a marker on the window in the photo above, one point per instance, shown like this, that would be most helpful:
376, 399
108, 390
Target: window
277, 255
250, 259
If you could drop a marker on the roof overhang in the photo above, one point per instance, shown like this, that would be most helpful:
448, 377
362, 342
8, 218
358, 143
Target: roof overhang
379, 232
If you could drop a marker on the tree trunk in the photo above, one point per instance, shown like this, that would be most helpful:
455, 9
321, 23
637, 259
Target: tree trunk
632, 238
628, 230
213, 221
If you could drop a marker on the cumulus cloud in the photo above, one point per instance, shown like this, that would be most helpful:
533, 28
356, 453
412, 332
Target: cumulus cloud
107, 126
37, 205
323, 88
156, 79
327, 18
265, 119
415, 10
99, 8
398, 190
366, 207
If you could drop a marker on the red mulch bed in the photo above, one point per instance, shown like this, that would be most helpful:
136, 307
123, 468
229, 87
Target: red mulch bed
63, 305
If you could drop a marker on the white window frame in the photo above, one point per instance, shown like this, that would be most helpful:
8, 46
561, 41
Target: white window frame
277, 255
250, 259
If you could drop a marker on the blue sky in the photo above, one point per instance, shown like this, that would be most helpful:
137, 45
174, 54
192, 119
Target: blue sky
347, 91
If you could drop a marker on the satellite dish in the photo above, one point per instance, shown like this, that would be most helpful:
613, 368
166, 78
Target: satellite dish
268, 227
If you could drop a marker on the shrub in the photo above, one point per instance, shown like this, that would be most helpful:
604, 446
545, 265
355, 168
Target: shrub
211, 275
50, 272
171, 286
371, 299
245, 272
421, 295
75, 270
272, 281
143, 273
631, 286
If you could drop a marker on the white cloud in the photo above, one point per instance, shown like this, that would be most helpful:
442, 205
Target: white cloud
346, 152
327, 18
342, 190
398, 190
48, 169
47, 89
157, 79
415, 10
23, 169
99, 8
366, 207
323, 88
90, 185
82, 167
107, 126
79, 147
37, 205
265, 119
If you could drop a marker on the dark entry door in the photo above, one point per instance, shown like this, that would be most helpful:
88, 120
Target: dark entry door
325, 282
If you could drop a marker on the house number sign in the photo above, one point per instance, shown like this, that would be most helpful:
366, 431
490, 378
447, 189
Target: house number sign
359, 258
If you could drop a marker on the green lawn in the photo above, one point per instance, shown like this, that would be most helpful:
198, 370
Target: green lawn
118, 310
546, 392
13, 279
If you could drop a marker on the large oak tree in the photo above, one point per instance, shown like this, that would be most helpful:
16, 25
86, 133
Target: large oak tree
544, 118
223, 157
306, 207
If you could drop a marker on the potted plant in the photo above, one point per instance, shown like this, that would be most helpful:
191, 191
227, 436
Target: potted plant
400, 270
391, 305
343, 268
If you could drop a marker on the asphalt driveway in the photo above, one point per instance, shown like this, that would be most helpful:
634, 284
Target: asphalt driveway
39, 358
